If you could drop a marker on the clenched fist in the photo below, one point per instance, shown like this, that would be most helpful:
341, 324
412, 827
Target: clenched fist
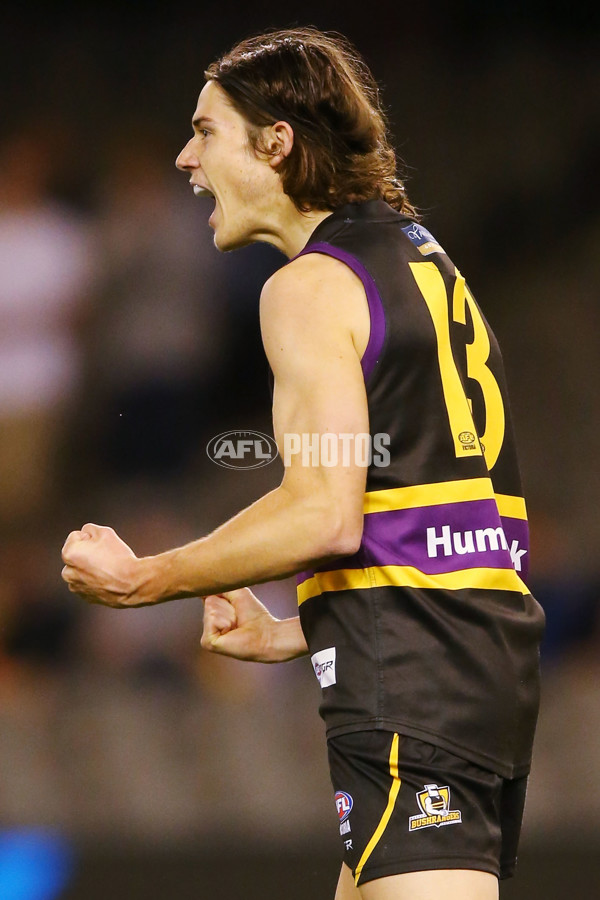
237, 624
101, 568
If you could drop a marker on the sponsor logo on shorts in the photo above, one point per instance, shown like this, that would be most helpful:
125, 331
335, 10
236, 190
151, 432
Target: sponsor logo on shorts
343, 805
324, 666
434, 803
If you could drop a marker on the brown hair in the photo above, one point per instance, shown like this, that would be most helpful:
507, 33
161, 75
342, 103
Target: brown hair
318, 83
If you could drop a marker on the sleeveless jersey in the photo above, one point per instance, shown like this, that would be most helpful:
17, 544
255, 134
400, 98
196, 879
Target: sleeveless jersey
429, 629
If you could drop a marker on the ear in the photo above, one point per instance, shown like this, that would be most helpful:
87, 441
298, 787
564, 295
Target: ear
278, 142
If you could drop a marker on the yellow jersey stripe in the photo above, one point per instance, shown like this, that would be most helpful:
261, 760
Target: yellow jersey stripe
511, 507
429, 494
443, 492
408, 576
383, 823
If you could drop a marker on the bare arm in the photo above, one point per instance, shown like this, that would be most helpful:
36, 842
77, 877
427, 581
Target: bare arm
307, 315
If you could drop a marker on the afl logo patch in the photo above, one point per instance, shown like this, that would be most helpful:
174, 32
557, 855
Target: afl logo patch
343, 805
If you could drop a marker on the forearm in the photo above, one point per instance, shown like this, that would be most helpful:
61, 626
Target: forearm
277, 536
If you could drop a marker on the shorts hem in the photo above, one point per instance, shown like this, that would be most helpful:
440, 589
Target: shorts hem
403, 867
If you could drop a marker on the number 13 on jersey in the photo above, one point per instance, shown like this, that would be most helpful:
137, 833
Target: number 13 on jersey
458, 406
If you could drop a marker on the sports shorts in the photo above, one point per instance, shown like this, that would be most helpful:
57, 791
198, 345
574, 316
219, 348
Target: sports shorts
406, 806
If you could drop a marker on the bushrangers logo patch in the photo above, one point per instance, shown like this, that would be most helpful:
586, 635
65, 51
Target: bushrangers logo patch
434, 802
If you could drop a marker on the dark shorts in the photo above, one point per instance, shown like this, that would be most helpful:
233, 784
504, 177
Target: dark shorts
406, 806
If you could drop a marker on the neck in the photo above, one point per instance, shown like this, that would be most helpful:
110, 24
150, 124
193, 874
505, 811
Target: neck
288, 228
295, 237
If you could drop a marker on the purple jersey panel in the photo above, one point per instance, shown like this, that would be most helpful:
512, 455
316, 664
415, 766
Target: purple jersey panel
376, 313
440, 539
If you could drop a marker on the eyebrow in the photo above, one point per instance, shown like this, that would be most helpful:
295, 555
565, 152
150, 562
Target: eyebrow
202, 120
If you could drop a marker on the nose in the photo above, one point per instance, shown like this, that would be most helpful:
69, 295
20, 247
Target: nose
187, 159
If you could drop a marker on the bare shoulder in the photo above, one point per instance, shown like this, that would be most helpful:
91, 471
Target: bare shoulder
321, 290
310, 273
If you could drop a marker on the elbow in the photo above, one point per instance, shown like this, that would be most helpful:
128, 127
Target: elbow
347, 545
330, 526
343, 537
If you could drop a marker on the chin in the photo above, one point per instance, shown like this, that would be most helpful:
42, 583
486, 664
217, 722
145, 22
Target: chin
225, 242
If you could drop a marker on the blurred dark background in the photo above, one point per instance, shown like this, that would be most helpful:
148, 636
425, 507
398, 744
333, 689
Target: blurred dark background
131, 763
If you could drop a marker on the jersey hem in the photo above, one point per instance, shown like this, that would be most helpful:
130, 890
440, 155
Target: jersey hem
431, 737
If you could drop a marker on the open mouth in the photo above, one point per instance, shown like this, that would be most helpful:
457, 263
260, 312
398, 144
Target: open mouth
200, 191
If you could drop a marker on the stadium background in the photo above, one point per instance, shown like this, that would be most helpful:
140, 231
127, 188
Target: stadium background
131, 765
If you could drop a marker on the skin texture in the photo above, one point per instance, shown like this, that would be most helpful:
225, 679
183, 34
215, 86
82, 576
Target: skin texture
315, 327
451, 884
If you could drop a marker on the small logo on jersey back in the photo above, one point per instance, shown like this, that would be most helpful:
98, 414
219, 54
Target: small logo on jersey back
324, 666
343, 805
434, 803
423, 239
467, 439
